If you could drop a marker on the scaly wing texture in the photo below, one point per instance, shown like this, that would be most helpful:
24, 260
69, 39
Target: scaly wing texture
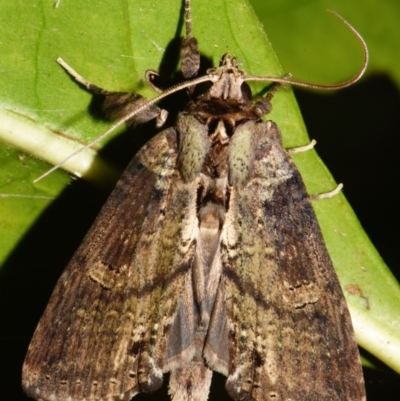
103, 335
290, 334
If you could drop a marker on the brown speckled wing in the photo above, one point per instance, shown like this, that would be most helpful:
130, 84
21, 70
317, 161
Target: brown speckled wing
289, 332
103, 335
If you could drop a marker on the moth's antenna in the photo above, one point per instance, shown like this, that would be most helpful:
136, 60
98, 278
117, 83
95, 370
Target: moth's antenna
321, 86
166, 93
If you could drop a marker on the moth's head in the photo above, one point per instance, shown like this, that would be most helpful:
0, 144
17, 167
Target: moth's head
227, 81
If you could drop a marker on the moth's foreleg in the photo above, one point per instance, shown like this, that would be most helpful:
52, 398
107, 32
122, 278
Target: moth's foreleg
190, 54
116, 105
88, 85
263, 104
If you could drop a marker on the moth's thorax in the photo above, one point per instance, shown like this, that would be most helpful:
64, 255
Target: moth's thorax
213, 125
206, 133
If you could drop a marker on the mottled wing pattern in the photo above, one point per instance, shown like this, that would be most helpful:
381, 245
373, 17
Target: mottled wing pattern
289, 330
103, 335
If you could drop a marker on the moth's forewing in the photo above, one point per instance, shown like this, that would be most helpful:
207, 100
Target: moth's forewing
290, 329
105, 328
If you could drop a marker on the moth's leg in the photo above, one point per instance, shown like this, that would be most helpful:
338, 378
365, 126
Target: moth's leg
301, 149
324, 195
275, 87
88, 85
190, 54
153, 79
263, 105
119, 104
327, 195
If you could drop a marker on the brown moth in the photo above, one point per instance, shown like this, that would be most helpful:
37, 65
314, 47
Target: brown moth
206, 257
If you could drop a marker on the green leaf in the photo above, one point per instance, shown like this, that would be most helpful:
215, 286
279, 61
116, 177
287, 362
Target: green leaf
112, 44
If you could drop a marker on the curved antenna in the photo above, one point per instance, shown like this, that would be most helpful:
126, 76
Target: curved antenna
341, 85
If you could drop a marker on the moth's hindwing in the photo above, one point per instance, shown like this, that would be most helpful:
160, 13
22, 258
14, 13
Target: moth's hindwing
289, 329
103, 335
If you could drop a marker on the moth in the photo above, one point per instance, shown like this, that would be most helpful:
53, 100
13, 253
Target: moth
206, 257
